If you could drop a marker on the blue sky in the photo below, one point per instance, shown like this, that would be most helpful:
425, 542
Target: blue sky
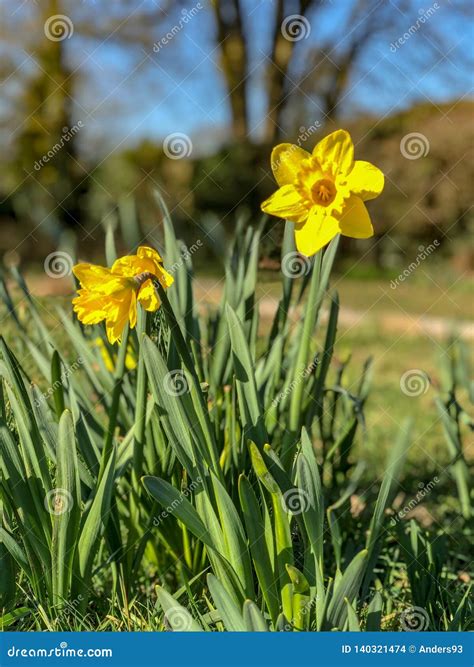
128, 94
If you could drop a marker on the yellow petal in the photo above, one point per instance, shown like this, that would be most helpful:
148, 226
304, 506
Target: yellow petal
316, 232
132, 312
365, 180
99, 279
335, 153
146, 259
90, 307
286, 162
355, 220
164, 278
129, 266
286, 203
90, 275
150, 253
148, 296
117, 318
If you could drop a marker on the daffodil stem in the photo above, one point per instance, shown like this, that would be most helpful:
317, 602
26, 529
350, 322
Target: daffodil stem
117, 390
140, 407
304, 347
318, 286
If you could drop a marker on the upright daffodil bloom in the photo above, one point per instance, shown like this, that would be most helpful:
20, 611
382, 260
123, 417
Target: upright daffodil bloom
323, 193
112, 294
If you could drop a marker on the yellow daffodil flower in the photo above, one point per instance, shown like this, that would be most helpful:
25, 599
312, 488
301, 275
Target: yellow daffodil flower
112, 294
323, 193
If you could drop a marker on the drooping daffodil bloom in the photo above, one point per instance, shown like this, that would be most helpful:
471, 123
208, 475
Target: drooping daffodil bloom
112, 294
323, 192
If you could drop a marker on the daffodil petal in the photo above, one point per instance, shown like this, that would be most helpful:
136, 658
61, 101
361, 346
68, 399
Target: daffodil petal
90, 307
129, 266
164, 278
286, 203
132, 312
335, 153
316, 232
355, 220
150, 253
90, 275
117, 319
365, 180
148, 297
286, 162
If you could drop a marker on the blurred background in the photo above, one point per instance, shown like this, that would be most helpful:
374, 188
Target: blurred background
106, 102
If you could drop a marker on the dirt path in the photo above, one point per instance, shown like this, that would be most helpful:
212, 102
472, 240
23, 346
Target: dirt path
209, 291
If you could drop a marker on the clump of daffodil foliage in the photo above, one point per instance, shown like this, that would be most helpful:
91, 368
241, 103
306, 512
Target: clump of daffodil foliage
179, 469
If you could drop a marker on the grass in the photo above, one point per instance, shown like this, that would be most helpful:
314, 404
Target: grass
266, 489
